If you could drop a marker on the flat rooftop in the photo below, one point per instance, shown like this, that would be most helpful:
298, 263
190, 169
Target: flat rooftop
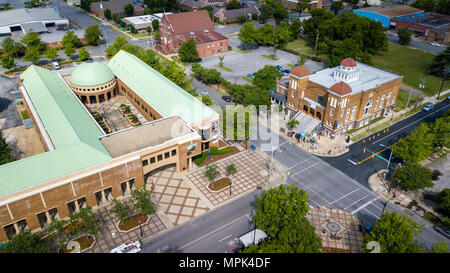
144, 19
150, 134
369, 77
392, 11
19, 16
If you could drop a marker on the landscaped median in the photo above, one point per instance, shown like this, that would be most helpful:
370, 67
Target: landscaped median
214, 155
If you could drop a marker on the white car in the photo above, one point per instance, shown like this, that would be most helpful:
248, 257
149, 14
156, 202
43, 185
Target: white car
56, 65
75, 64
435, 44
132, 247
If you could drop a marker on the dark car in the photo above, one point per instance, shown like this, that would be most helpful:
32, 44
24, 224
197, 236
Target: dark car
262, 21
226, 98
251, 75
279, 68
59, 28
443, 231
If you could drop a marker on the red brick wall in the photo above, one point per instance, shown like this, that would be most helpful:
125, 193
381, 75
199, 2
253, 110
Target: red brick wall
204, 51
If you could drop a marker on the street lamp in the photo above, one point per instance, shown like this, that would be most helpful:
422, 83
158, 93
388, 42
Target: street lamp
140, 228
387, 168
445, 74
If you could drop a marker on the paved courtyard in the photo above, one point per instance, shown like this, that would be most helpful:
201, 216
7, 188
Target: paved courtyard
329, 222
175, 198
251, 172
245, 63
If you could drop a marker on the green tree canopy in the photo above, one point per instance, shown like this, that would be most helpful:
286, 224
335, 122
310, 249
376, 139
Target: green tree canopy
120, 209
417, 146
412, 176
51, 53
10, 46
155, 24
443, 198
25, 242
247, 34
5, 152
86, 4
404, 36
32, 54
83, 54
266, 77
107, 14
265, 34
233, 4
336, 7
295, 28
140, 198
276, 9
395, 234
129, 9
188, 51
440, 62
7, 61
69, 50
304, 5
281, 37
92, 34
31, 39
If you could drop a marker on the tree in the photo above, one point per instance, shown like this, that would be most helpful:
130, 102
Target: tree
265, 34
69, 50
281, 214
231, 169
83, 54
25, 242
155, 24
281, 38
129, 9
32, 39
85, 4
275, 9
7, 61
247, 34
266, 77
91, 224
304, 5
121, 210
141, 201
336, 7
92, 34
242, 19
233, 4
116, 18
188, 51
443, 198
412, 176
210, 11
440, 62
50, 53
119, 42
221, 57
395, 234
107, 14
32, 54
149, 30
10, 46
211, 172
295, 28
417, 146
5, 152
426, 5
206, 100
302, 59
439, 247
293, 123
404, 36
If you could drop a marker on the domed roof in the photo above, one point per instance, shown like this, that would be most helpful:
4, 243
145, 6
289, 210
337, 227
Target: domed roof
341, 88
91, 74
300, 71
348, 62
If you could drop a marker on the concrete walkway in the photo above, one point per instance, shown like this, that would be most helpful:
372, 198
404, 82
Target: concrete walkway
381, 189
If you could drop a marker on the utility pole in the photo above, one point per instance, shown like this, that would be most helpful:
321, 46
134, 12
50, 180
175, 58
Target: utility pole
317, 39
410, 92
445, 73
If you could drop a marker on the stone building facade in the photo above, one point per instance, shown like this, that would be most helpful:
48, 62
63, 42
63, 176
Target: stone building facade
343, 97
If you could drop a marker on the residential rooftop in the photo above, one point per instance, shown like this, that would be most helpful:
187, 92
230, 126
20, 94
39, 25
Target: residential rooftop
392, 11
20, 16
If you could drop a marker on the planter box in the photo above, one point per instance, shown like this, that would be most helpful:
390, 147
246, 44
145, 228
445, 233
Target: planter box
136, 227
226, 188
87, 248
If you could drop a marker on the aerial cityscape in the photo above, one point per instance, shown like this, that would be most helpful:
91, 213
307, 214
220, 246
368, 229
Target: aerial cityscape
225, 126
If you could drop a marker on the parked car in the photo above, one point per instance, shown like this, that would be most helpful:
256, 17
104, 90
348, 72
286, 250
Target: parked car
443, 231
262, 22
59, 28
66, 28
435, 44
226, 98
286, 72
75, 64
251, 75
132, 247
428, 107
279, 68
49, 31
56, 65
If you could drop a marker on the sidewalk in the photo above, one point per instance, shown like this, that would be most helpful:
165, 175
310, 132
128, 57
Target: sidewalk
395, 196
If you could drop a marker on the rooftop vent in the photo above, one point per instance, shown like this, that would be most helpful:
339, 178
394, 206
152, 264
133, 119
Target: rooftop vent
192, 33
205, 30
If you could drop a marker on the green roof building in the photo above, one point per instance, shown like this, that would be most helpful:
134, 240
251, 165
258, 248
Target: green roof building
91, 74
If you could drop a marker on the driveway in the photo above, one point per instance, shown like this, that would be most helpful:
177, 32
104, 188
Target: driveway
9, 116
245, 63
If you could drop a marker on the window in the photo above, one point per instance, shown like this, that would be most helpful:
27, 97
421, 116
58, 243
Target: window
367, 107
166, 155
152, 160
388, 98
331, 112
46, 217
381, 102
376, 103
10, 231
319, 99
353, 112
145, 162
174, 152
74, 206
346, 115
160, 157
293, 93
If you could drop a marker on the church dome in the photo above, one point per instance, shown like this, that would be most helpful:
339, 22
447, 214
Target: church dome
91, 74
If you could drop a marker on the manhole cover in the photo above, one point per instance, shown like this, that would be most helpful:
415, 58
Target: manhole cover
333, 227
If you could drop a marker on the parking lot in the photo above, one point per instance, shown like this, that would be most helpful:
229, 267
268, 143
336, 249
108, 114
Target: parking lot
250, 62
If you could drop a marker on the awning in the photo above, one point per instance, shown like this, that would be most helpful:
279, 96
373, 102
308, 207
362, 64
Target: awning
35, 26
252, 237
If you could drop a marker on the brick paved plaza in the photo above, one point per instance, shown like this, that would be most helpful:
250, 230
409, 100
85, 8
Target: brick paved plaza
330, 221
251, 172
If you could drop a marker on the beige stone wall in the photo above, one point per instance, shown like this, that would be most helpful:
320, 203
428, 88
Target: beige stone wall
84, 93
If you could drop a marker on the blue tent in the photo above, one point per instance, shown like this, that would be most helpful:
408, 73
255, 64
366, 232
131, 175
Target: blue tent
301, 134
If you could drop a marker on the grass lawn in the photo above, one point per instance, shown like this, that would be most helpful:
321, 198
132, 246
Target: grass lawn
412, 64
302, 46
269, 57
402, 99
232, 34
242, 51
225, 68
291, 65
141, 35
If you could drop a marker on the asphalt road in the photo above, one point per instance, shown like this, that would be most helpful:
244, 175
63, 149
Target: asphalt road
419, 45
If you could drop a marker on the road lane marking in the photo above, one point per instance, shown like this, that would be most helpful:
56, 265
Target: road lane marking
371, 213
354, 163
355, 202
224, 238
344, 196
298, 163
378, 156
309, 189
437, 110
363, 206
305, 169
209, 233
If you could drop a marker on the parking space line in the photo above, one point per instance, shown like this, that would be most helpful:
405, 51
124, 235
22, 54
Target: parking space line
344, 196
309, 189
378, 217
355, 202
365, 205
224, 238
305, 169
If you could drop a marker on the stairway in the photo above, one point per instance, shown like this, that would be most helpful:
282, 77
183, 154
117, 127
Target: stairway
307, 124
